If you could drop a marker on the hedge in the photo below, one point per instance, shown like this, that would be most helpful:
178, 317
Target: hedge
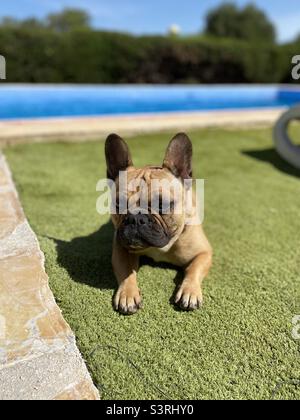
85, 56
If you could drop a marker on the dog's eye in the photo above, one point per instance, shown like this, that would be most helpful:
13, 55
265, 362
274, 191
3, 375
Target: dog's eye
165, 208
117, 207
160, 208
120, 205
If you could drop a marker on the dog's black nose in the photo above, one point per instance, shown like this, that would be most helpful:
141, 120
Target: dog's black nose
137, 220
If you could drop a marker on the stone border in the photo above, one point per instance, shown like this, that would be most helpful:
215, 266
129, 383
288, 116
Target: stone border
90, 128
39, 359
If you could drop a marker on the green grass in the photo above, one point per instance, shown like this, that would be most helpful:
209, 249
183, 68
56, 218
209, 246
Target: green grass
239, 346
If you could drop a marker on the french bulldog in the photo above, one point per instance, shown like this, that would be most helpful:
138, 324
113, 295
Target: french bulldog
162, 236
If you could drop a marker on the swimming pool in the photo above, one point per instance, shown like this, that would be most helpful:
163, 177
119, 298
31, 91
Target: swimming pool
39, 101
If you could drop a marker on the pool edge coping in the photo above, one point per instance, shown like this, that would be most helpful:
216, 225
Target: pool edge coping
90, 128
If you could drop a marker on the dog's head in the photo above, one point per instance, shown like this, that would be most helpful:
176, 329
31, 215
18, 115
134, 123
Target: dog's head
154, 213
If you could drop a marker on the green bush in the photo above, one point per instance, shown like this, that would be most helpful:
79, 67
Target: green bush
41, 55
248, 23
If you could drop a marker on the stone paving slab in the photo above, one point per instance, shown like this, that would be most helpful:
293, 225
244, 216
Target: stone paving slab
83, 128
39, 359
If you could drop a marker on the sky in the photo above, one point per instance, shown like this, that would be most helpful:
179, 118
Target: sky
155, 16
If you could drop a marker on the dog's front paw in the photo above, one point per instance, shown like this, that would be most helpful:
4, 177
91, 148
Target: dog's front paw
189, 296
128, 300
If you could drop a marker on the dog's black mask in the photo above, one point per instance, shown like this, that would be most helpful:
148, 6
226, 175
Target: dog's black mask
142, 231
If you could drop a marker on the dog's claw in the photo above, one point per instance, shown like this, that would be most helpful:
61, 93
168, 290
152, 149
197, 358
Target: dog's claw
195, 306
129, 310
189, 306
127, 301
189, 299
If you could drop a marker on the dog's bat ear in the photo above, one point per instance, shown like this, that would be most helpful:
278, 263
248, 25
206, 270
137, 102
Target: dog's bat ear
178, 157
117, 155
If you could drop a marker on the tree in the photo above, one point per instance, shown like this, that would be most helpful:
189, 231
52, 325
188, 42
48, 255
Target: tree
8, 22
68, 20
248, 23
32, 24
223, 21
297, 40
29, 23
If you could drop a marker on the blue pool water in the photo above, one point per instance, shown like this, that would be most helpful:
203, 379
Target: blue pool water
37, 101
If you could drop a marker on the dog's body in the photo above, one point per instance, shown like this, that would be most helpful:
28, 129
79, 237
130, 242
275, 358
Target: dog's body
162, 237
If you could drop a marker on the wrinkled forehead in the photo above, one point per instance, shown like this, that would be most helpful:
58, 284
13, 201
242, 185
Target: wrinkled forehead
149, 173
154, 177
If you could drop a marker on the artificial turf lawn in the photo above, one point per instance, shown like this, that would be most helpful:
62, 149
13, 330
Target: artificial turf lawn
240, 345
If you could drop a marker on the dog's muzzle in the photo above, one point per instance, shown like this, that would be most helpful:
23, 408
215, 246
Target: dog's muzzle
142, 231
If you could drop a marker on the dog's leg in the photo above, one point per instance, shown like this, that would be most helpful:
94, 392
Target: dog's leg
189, 296
127, 299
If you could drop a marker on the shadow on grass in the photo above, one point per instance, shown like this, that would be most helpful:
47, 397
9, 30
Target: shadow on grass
271, 156
87, 260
